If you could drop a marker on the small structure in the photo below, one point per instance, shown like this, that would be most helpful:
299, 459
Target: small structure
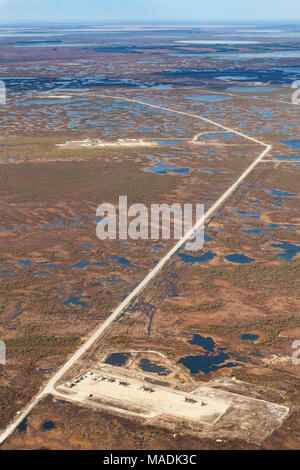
147, 389
124, 383
190, 400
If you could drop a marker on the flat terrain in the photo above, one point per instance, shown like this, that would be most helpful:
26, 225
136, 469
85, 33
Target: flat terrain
223, 318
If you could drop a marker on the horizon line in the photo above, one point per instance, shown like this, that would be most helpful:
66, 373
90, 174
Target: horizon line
162, 22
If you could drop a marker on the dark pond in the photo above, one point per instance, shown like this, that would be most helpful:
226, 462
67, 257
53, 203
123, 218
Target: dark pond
206, 363
117, 359
239, 258
120, 260
209, 255
80, 264
206, 343
278, 193
249, 337
148, 366
48, 425
23, 425
76, 301
45, 371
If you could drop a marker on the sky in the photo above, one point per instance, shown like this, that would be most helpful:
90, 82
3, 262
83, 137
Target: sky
149, 10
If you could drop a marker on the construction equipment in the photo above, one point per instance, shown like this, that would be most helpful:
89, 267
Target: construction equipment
190, 400
124, 383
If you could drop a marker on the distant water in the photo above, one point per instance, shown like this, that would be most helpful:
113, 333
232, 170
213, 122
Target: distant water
284, 158
162, 169
294, 144
265, 34
290, 250
255, 89
46, 101
209, 255
60, 45
211, 98
168, 141
236, 78
80, 264
279, 193
257, 55
217, 41
121, 260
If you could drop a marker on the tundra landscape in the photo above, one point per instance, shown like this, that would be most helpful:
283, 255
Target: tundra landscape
142, 343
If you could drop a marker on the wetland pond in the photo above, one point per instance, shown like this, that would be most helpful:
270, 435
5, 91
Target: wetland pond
294, 144
117, 359
206, 363
209, 255
161, 169
239, 258
47, 425
148, 366
213, 359
249, 337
